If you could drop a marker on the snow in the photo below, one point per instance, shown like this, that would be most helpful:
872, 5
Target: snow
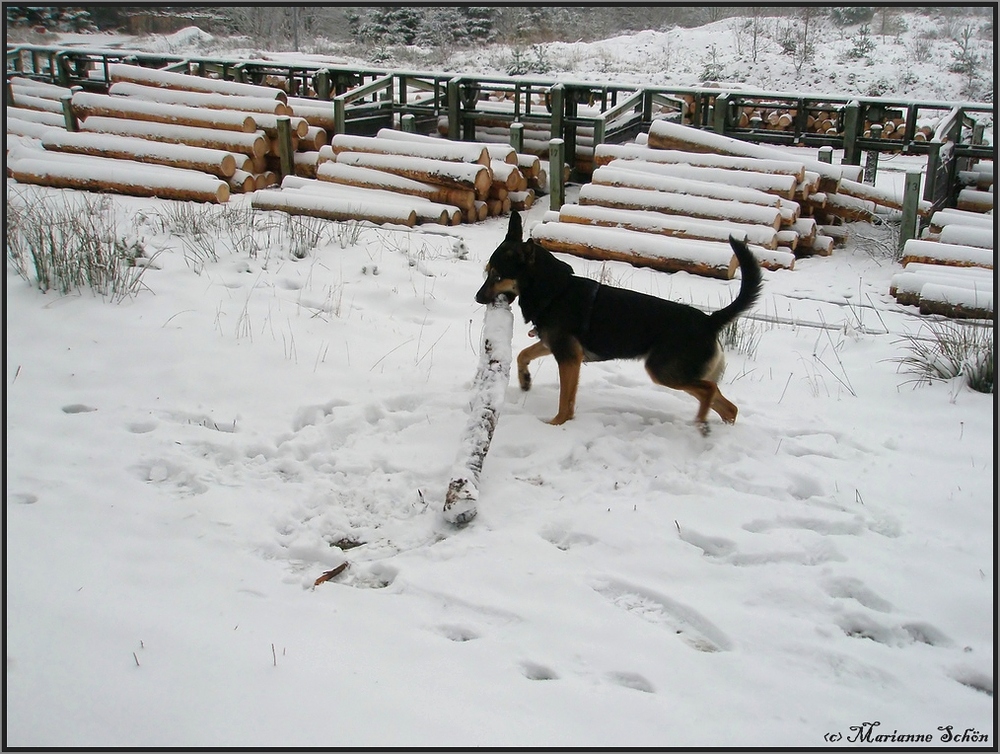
180, 465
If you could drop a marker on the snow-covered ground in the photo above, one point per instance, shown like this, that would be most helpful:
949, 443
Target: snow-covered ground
182, 466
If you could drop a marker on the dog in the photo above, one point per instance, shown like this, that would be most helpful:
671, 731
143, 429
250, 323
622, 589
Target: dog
577, 319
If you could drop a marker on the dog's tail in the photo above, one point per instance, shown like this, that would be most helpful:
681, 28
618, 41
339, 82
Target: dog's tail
750, 286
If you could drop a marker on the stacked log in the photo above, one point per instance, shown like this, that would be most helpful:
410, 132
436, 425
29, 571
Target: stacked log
472, 180
949, 271
87, 173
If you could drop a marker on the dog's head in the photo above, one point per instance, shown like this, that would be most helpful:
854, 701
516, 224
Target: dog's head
507, 264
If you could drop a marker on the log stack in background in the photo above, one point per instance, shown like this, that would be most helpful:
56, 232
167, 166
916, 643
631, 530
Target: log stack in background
950, 270
441, 181
227, 131
685, 183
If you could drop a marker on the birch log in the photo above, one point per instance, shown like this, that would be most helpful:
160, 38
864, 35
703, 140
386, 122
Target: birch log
490, 386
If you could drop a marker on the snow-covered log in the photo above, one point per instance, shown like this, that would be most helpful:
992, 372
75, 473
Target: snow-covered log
521, 200
87, 104
42, 89
605, 153
118, 176
680, 204
879, 196
972, 200
771, 183
426, 210
817, 245
32, 102
847, 207
668, 225
956, 302
932, 252
490, 388
436, 149
27, 128
638, 249
452, 174
666, 135
314, 139
215, 161
44, 117
269, 124
615, 176
351, 175
951, 216
208, 100
242, 182
905, 286
254, 145
172, 80
333, 208
508, 176
965, 235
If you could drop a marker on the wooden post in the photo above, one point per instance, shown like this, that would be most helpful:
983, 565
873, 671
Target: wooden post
871, 157
933, 168
517, 137
454, 110
826, 155
408, 123
339, 115
285, 149
911, 199
557, 183
72, 124
851, 121
557, 95
321, 83
720, 112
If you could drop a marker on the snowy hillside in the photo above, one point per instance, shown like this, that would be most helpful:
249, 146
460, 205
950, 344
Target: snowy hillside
282, 397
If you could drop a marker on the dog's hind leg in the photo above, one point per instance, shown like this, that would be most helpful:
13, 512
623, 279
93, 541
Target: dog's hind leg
569, 379
529, 354
709, 397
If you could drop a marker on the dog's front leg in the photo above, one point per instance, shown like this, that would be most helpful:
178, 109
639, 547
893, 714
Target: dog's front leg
529, 354
569, 379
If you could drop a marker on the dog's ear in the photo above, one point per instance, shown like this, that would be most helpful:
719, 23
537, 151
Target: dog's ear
514, 230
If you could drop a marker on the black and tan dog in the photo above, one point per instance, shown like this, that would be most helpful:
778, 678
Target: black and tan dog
579, 320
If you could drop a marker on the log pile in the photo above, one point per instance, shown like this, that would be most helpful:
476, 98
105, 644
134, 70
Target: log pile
949, 271
442, 181
686, 183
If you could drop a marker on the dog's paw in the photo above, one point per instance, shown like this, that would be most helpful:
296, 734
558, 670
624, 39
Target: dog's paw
555, 421
524, 379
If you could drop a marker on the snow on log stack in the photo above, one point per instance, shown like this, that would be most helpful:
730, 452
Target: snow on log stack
950, 270
227, 133
434, 179
684, 183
